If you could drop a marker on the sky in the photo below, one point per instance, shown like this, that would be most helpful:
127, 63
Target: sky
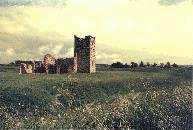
125, 30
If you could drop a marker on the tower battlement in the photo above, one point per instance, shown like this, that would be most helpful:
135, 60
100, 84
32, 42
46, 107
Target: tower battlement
83, 42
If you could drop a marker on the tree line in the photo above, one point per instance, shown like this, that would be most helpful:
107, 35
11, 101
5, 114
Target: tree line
18, 62
120, 65
142, 64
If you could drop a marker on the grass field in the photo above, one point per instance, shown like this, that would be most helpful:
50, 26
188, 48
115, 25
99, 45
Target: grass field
145, 98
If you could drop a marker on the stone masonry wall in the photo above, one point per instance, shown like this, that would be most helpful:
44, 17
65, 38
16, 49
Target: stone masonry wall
84, 50
92, 56
68, 65
26, 69
49, 63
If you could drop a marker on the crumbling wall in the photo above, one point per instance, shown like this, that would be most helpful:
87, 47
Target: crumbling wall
68, 65
39, 67
26, 69
49, 63
92, 55
71, 64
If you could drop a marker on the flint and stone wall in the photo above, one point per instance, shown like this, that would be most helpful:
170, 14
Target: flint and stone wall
84, 50
26, 69
68, 65
39, 67
49, 64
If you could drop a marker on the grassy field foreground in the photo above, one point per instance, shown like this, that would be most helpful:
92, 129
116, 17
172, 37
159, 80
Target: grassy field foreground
133, 98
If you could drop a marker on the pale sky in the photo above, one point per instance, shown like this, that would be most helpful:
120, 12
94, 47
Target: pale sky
125, 30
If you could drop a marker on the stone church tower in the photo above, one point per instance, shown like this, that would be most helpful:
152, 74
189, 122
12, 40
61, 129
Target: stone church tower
84, 50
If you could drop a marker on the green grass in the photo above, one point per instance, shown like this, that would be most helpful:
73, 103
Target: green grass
160, 98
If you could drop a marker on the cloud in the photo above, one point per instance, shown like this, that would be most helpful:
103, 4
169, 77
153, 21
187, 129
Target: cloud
54, 49
57, 48
32, 2
82, 2
107, 55
44, 49
10, 52
170, 2
32, 47
7, 55
69, 52
33, 32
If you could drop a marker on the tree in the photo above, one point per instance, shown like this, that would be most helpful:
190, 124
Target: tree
126, 66
148, 64
117, 65
161, 65
154, 64
167, 65
141, 64
133, 64
175, 65
18, 62
12, 63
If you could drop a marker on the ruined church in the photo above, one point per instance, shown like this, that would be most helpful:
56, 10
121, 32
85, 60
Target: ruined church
84, 60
